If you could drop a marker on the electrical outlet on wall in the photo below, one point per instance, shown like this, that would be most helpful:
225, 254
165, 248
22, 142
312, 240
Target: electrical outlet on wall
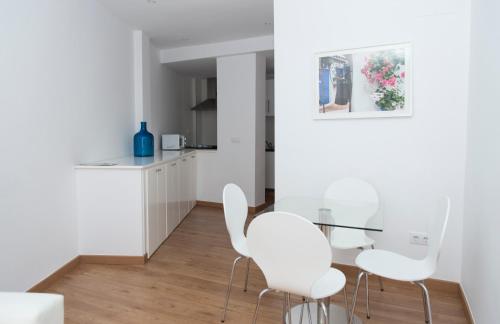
419, 238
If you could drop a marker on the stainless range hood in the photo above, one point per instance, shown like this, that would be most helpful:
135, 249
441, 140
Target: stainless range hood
208, 95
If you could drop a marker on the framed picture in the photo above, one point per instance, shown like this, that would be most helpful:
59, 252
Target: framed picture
363, 83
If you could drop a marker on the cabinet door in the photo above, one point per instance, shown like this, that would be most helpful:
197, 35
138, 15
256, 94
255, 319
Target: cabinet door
183, 186
193, 180
173, 215
189, 175
151, 212
162, 203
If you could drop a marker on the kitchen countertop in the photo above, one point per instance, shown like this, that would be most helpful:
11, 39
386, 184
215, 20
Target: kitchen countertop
133, 162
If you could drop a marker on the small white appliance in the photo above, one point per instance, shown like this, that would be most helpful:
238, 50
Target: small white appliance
170, 142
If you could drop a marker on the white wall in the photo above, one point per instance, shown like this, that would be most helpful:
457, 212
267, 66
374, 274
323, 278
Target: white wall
411, 161
171, 100
238, 100
260, 129
66, 96
142, 77
206, 127
234, 47
481, 222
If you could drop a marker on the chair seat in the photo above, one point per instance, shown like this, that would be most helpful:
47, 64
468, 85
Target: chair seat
328, 285
31, 308
393, 266
346, 239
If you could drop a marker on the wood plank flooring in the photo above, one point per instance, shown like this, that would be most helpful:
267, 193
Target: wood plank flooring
185, 282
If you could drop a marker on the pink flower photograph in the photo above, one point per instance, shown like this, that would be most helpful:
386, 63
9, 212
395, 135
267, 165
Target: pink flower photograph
363, 83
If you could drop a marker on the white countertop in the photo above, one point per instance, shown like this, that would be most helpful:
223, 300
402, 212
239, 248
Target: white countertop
133, 162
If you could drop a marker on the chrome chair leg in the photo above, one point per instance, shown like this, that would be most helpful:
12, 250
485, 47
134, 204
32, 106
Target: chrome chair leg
354, 297
325, 311
427, 302
347, 310
309, 311
262, 293
367, 297
246, 277
380, 282
302, 310
288, 308
283, 311
228, 292
424, 299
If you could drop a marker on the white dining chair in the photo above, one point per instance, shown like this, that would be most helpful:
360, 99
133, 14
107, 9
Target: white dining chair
354, 191
295, 257
235, 212
398, 267
31, 308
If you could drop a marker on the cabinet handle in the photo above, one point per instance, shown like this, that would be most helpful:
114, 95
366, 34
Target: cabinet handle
173, 164
268, 104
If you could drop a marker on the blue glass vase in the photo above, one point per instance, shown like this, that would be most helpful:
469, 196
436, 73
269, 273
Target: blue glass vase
143, 142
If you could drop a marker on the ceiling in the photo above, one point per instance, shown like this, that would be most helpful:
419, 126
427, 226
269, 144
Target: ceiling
207, 67
178, 23
202, 68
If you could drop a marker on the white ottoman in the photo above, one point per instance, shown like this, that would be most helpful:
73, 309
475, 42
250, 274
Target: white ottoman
31, 308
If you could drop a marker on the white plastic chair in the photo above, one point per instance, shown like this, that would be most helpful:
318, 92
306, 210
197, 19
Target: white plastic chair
398, 267
31, 308
235, 213
354, 191
295, 257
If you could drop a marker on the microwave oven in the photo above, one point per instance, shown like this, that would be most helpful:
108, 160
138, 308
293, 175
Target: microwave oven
170, 142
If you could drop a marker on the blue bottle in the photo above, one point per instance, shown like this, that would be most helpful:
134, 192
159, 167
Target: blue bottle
143, 142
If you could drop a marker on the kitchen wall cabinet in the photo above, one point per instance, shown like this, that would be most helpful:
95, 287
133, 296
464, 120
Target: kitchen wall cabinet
129, 206
270, 97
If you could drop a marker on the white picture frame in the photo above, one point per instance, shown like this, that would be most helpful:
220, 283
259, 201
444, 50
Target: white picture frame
370, 93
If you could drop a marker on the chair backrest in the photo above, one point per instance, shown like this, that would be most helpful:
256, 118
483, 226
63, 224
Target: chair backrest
290, 250
352, 190
235, 213
437, 230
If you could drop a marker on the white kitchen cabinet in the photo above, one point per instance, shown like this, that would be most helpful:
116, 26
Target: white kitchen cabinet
173, 205
184, 186
192, 181
129, 206
156, 208
270, 97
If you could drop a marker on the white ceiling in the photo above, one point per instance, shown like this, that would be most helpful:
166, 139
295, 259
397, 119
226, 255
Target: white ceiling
207, 67
203, 68
178, 23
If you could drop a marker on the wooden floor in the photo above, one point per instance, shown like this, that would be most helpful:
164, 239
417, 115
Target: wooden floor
185, 282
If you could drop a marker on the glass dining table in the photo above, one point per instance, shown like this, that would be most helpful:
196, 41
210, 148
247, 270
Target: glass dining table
341, 221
